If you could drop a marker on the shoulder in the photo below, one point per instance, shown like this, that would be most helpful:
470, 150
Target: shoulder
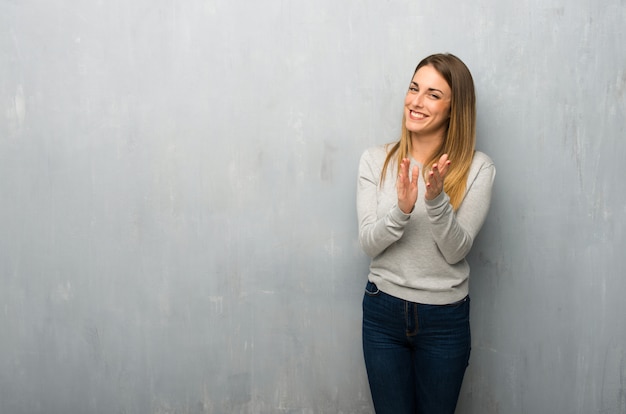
375, 156
378, 152
480, 162
481, 159
482, 165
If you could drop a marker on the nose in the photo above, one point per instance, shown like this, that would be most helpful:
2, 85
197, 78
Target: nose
417, 100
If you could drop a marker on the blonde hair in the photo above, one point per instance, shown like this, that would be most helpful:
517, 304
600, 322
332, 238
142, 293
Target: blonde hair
460, 139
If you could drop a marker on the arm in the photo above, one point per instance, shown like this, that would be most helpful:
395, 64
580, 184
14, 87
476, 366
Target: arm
453, 232
375, 234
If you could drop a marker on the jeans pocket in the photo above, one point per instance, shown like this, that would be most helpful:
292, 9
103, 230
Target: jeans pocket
371, 289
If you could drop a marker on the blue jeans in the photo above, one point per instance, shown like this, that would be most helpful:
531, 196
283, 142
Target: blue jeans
415, 354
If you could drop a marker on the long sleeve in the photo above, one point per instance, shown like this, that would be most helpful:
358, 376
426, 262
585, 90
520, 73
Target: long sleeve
454, 233
420, 257
376, 234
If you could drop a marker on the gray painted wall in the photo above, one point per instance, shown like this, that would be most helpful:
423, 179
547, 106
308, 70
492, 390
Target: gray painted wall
177, 225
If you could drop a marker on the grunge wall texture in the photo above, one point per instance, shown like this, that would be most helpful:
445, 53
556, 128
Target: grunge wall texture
178, 229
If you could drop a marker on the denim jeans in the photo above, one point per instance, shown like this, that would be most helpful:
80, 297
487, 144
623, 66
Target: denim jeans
415, 354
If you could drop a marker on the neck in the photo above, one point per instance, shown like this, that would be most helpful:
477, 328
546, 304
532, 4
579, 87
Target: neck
423, 147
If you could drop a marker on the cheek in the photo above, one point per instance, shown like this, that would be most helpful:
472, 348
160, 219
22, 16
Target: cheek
445, 111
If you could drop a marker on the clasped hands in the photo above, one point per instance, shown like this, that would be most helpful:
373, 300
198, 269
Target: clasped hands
407, 185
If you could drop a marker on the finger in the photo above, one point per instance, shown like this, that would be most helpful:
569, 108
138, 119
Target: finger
429, 192
434, 176
402, 177
402, 165
401, 169
443, 171
405, 169
405, 165
415, 175
443, 164
400, 184
434, 183
432, 190
442, 160
444, 168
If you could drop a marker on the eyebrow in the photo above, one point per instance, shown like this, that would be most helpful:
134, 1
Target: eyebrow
430, 89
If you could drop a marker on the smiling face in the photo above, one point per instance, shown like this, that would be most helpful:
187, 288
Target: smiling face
427, 104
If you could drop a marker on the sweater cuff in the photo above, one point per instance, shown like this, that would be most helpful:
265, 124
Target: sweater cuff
398, 215
437, 203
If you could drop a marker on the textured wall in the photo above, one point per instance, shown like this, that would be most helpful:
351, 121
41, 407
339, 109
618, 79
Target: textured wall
177, 225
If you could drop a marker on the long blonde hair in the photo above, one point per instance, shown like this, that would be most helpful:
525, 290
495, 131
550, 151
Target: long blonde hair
460, 140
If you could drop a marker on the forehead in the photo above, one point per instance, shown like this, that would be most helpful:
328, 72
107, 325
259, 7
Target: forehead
428, 77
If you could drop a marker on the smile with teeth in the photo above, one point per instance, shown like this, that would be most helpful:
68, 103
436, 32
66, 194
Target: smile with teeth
417, 115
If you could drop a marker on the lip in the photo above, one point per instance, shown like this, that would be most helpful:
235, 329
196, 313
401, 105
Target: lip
417, 116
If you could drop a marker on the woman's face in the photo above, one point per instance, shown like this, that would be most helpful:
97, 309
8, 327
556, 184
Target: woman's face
427, 103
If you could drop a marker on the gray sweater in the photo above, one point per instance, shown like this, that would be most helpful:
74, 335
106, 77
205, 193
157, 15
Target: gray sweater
420, 257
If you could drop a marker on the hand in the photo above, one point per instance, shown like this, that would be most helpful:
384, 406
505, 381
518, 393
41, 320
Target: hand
407, 188
435, 177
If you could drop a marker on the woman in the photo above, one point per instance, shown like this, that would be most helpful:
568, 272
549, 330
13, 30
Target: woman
421, 202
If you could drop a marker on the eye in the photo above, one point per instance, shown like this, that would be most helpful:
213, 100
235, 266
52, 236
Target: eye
413, 89
434, 96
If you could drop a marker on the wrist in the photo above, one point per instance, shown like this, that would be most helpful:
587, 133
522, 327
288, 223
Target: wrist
406, 209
